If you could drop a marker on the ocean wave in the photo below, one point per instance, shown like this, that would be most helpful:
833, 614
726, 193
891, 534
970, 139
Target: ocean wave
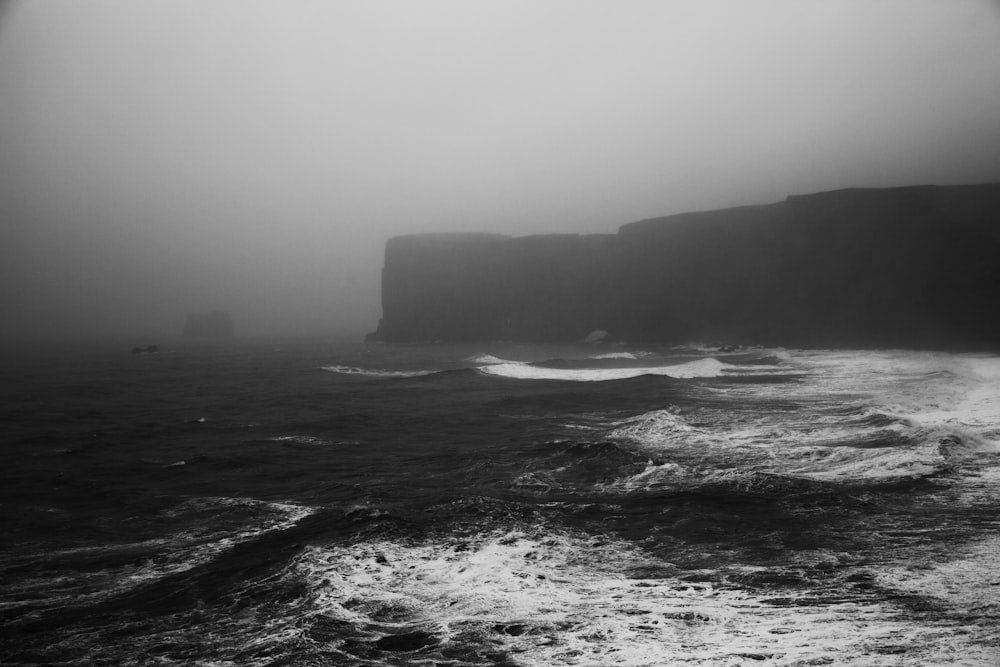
312, 440
375, 372
968, 403
657, 426
701, 368
654, 477
87, 574
966, 580
620, 355
856, 446
757, 482
577, 467
554, 597
754, 368
487, 359
960, 393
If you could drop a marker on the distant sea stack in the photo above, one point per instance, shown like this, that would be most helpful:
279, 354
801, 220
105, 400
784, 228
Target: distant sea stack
216, 324
915, 267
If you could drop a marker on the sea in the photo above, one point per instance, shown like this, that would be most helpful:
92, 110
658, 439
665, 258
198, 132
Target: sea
314, 502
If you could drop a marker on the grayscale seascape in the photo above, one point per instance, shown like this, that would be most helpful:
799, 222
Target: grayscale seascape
519, 333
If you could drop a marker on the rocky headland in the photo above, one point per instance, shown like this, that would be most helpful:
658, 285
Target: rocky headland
915, 267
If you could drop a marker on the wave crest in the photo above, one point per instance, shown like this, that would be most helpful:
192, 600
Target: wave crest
375, 372
657, 426
701, 368
487, 359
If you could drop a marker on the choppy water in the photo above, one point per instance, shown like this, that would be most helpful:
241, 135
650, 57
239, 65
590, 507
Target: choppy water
347, 504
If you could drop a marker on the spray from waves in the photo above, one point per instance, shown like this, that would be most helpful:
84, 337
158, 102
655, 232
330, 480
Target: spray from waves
669, 450
956, 397
532, 597
702, 368
861, 419
964, 397
866, 447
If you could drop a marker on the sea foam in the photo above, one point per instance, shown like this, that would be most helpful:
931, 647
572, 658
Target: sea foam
615, 355
375, 372
487, 359
562, 598
701, 368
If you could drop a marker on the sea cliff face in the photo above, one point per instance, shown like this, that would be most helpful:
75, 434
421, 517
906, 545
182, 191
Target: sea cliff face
898, 267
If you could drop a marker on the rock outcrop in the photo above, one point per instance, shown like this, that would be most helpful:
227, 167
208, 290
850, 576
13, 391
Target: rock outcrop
904, 267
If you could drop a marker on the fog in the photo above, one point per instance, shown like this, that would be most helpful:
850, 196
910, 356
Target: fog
166, 157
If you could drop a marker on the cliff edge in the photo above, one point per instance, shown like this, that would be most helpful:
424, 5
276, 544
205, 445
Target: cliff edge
896, 267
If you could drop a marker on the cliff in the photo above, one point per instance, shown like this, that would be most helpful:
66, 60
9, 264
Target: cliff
902, 267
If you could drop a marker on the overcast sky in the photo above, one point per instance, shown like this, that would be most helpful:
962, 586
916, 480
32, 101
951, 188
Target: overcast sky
165, 157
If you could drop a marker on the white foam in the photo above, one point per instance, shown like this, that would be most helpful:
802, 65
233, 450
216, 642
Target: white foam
657, 426
572, 601
833, 448
375, 372
915, 414
702, 368
849, 464
301, 439
966, 579
614, 355
973, 406
946, 392
654, 475
763, 370
487, 359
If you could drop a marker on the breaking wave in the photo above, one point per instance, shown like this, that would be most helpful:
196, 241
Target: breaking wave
205, 528
534, 597
702, 368
793, 508
621, 355
376, 372
487, 359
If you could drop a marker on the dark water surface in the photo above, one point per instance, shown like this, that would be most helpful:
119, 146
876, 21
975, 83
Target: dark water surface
328, 503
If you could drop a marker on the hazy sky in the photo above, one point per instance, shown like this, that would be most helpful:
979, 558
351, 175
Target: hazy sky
164, 157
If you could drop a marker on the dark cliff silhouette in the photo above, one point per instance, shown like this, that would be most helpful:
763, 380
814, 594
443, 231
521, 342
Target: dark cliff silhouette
897, 267
216, 324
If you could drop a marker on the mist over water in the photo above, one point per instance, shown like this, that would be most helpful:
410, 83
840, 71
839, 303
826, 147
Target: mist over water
161, 159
